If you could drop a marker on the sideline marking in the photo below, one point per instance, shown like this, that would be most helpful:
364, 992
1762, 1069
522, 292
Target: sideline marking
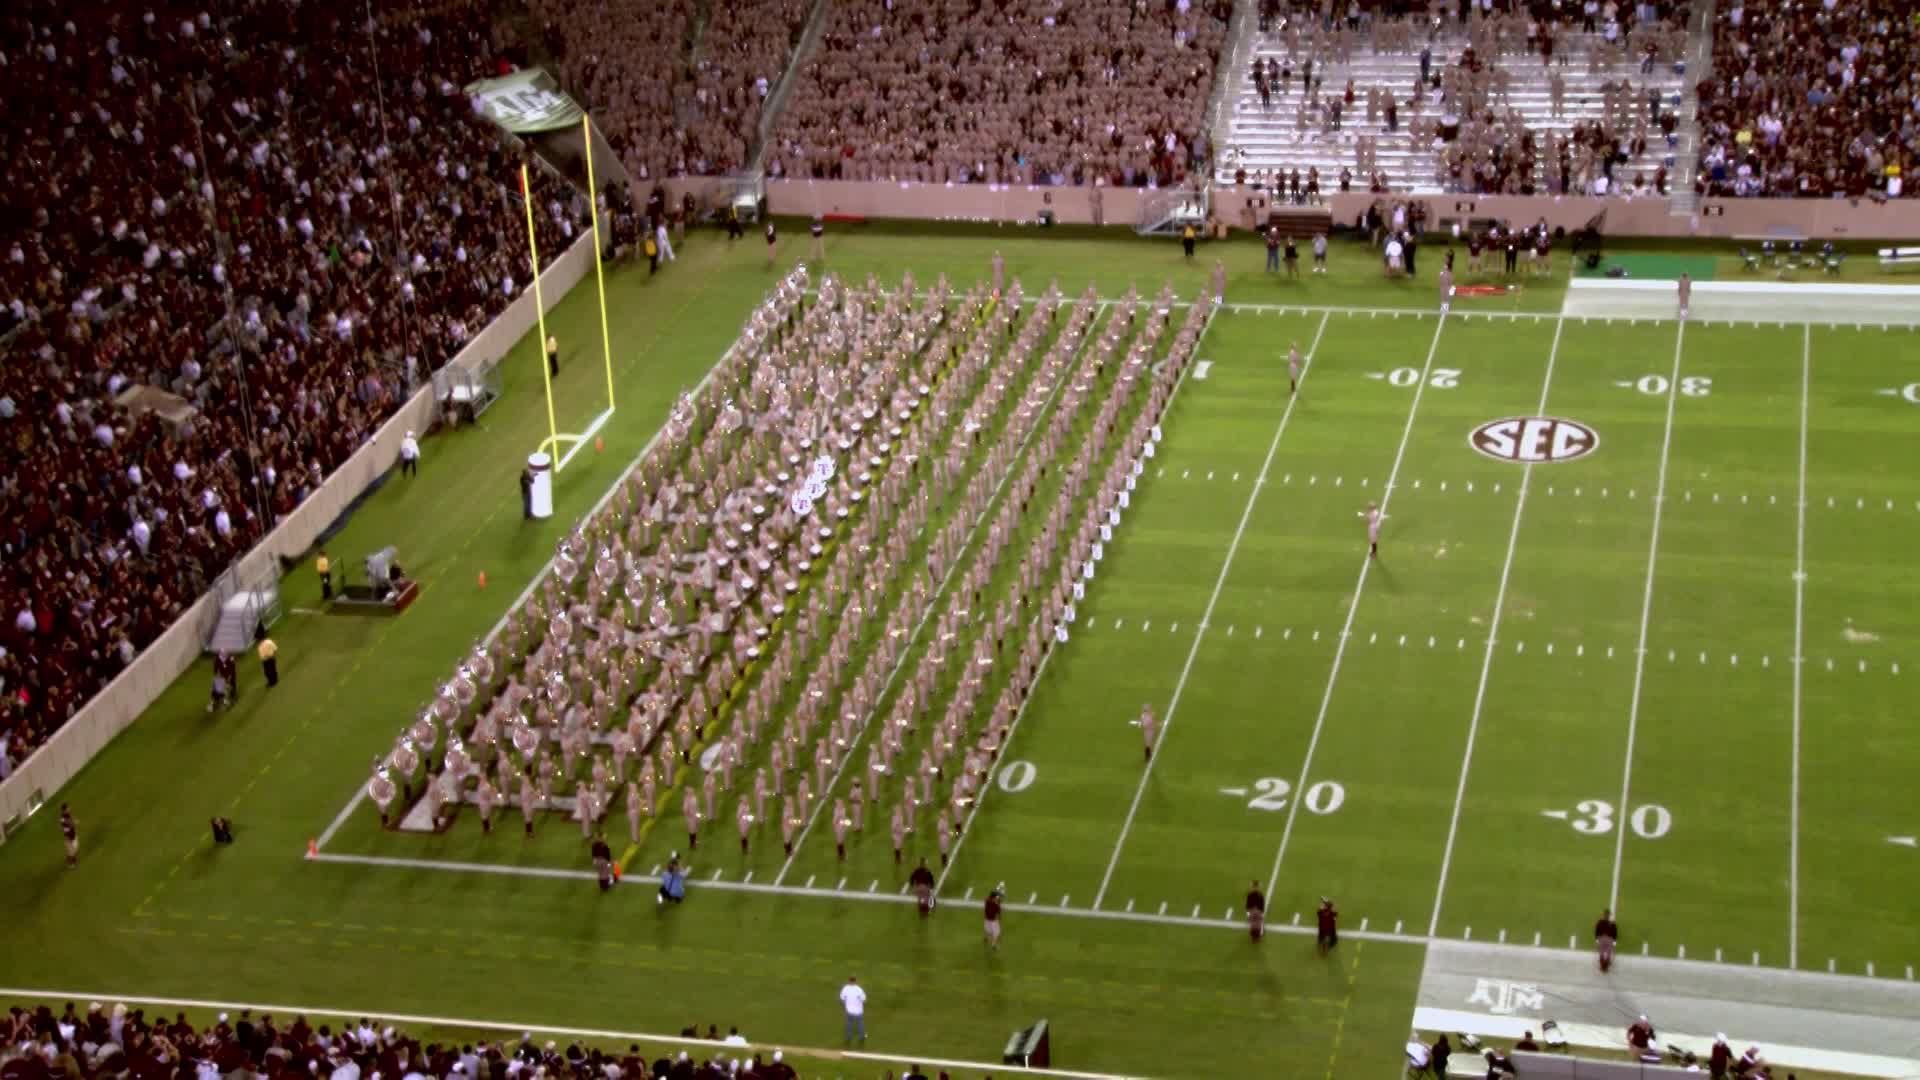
1646, 616
1173, 704
1486, 663
1799, 626
1340, 650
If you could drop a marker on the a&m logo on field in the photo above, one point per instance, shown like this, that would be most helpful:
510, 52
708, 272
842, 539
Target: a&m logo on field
1534, 440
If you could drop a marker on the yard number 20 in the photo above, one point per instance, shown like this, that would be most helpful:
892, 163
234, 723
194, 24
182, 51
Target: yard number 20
1442, 378
1270, 793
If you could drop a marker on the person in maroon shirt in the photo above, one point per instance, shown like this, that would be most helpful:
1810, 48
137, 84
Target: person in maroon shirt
1721, 1058
1256, 912
992, 913
1606, 933
71, 834
1641, 1038
1328, 920
921, 881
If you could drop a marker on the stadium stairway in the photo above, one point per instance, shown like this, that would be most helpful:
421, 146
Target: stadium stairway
240, 613
1166, 212
1265, 138
783, 87
1700, 65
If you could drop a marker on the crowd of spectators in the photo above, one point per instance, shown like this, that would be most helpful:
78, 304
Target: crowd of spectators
40, 1044
1475, 62
674, 97
996, 91
272, 220
1811, 98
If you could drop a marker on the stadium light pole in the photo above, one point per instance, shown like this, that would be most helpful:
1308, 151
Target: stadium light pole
540, 313
599, 280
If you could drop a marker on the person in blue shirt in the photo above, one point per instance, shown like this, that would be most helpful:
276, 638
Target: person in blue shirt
673, 882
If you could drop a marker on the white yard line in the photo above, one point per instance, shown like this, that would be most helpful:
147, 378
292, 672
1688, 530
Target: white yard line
1200, 632
1646, 619
1799, 625
966, 827
517, 1028
1353, 608
1486, 663
934, 605
854, 891
1394, 312
360, 790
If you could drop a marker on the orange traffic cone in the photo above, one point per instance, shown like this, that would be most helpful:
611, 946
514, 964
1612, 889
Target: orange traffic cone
599, 444
616, 873
483, 579
313, 848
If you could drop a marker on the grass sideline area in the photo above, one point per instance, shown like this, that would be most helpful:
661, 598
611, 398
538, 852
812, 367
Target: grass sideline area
1427, 773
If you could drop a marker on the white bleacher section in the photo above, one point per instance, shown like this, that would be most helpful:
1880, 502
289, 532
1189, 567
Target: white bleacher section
1270, 137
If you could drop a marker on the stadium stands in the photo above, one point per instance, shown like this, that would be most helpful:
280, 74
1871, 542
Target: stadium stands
39, 1043
1505, 103
951, 91
675, 95
237, 237
1810, 99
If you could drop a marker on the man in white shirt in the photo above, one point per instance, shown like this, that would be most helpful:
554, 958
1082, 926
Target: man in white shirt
854, 999
409, 455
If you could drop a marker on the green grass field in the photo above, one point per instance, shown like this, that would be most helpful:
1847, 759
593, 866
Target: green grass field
1561, 687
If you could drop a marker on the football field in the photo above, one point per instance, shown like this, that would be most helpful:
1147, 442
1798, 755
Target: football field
1642, 679
1653, 656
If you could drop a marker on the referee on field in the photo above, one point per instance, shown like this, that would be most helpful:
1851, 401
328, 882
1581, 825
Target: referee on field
269, 653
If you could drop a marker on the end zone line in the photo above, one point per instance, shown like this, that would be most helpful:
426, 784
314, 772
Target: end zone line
1646, 618
519, 1028
1493, 632
1200, 632
1353, 609
933, 606
581, 440
1799, 626
966, 826
360, 788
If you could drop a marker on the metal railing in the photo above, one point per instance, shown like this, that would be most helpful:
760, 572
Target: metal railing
777, 96
1233, 61
1686, 151
1160, 208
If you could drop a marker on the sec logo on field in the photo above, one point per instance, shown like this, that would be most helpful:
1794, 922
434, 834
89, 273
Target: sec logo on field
1534, 440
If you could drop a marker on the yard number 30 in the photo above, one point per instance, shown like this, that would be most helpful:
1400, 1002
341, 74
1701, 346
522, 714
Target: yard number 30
1690, 385
1649, 821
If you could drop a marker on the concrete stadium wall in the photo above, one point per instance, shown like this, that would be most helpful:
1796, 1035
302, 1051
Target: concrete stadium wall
1730, 219
964, 202
123, 700
1837, 219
